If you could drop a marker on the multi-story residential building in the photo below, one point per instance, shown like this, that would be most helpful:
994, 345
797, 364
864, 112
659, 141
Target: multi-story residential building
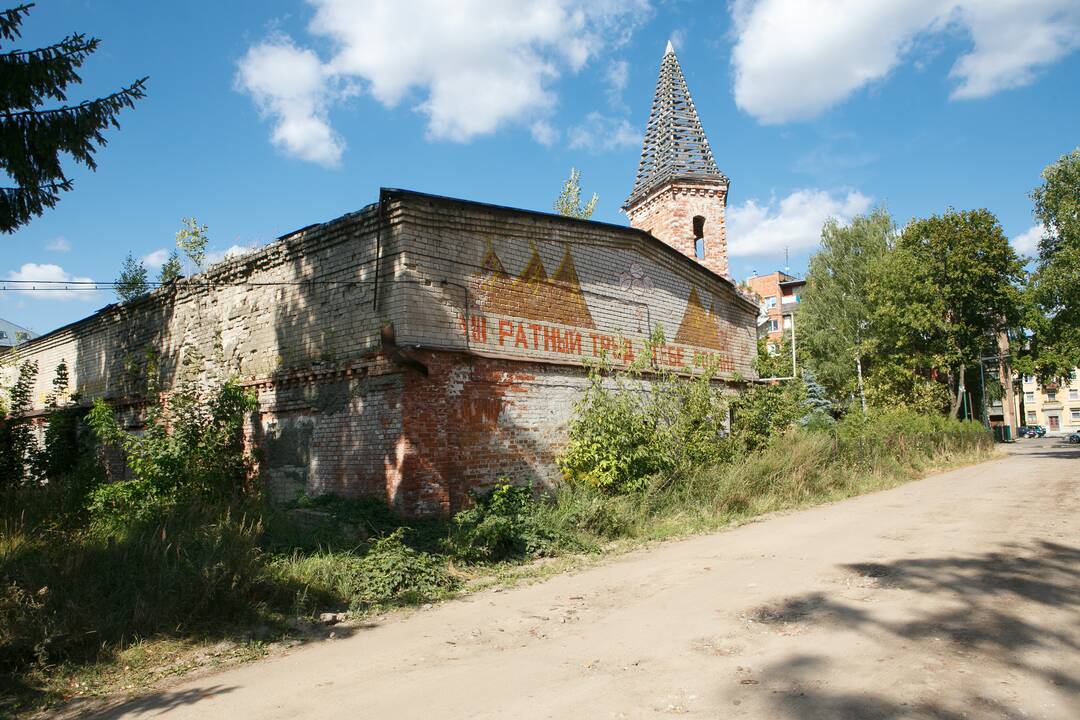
11, 334
1056, 406
778, 294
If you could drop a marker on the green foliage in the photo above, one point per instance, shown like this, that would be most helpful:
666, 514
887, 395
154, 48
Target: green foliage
1054, 290
503, 523
392, 573
812, 464
569, 201
943, 293
891, 384
192, 240
68, 593
171, 270
18, 448
835, 310
188, 449
62, 447
35, 137
817, 405
777, 363
132, 280
763, 411
625, 431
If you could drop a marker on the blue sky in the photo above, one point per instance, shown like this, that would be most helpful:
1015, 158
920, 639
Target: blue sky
265, 117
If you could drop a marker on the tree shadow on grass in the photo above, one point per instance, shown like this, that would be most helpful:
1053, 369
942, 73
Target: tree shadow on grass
998, 608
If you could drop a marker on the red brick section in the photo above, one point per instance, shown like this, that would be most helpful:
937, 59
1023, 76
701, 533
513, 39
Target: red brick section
473, 420
668, 214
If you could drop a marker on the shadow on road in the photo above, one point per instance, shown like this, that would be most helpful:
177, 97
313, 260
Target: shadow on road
161, 702
998, 606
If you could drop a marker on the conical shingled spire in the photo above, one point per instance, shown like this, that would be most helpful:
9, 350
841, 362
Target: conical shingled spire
675, 145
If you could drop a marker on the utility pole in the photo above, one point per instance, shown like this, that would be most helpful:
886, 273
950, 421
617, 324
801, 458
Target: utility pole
794, 369
858, 372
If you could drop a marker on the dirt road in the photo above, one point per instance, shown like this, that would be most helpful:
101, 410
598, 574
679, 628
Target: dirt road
957, 596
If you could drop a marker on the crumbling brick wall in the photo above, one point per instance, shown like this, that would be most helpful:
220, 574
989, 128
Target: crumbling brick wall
496, 313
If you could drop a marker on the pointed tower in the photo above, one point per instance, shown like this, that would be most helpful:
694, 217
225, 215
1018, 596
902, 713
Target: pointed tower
679, 195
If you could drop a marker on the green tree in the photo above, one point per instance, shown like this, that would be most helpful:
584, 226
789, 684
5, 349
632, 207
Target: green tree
569, 200
835, 310
18, 448
1054, 289
193, 241
776, 362
132, 280
33, 137
951, 284
816, 403
171, 270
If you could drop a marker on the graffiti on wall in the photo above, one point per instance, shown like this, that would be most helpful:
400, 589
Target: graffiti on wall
536, 313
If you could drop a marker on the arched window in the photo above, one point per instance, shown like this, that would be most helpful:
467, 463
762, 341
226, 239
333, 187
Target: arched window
699, 237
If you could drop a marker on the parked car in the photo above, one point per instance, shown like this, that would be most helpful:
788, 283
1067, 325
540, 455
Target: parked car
1040, 430
1075, 438
1028, 431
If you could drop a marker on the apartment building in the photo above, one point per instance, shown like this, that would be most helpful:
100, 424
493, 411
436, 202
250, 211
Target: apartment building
1055, 406
778, 296
12, 335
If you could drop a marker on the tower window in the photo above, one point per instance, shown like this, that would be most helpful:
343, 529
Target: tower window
699, 237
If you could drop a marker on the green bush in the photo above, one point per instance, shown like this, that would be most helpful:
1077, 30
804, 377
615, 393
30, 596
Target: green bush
504, 523
392, 573
763, 411
627, 430
188, 449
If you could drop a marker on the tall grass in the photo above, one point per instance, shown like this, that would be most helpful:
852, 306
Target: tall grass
794, 469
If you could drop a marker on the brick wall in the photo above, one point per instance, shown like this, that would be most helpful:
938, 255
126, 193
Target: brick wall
668, 213
503, 310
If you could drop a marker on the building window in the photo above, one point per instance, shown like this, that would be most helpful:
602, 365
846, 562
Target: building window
699, 237
1051, 396
773, 326
3, 335
770, 302
1075, 414
1029, 397
1031, 416
1074, 394
787, 322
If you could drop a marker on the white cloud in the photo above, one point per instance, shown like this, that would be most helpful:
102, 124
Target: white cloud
544, 133
793, 59
600, 133
156, 259
617, 76
1027, 242
1012, 40
216, 256
59, 244
794, 222
470, 67
290, 85
49, 275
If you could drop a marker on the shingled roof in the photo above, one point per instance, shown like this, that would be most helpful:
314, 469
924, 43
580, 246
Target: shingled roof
675, 146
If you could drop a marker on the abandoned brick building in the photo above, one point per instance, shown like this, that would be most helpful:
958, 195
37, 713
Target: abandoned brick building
424, 346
